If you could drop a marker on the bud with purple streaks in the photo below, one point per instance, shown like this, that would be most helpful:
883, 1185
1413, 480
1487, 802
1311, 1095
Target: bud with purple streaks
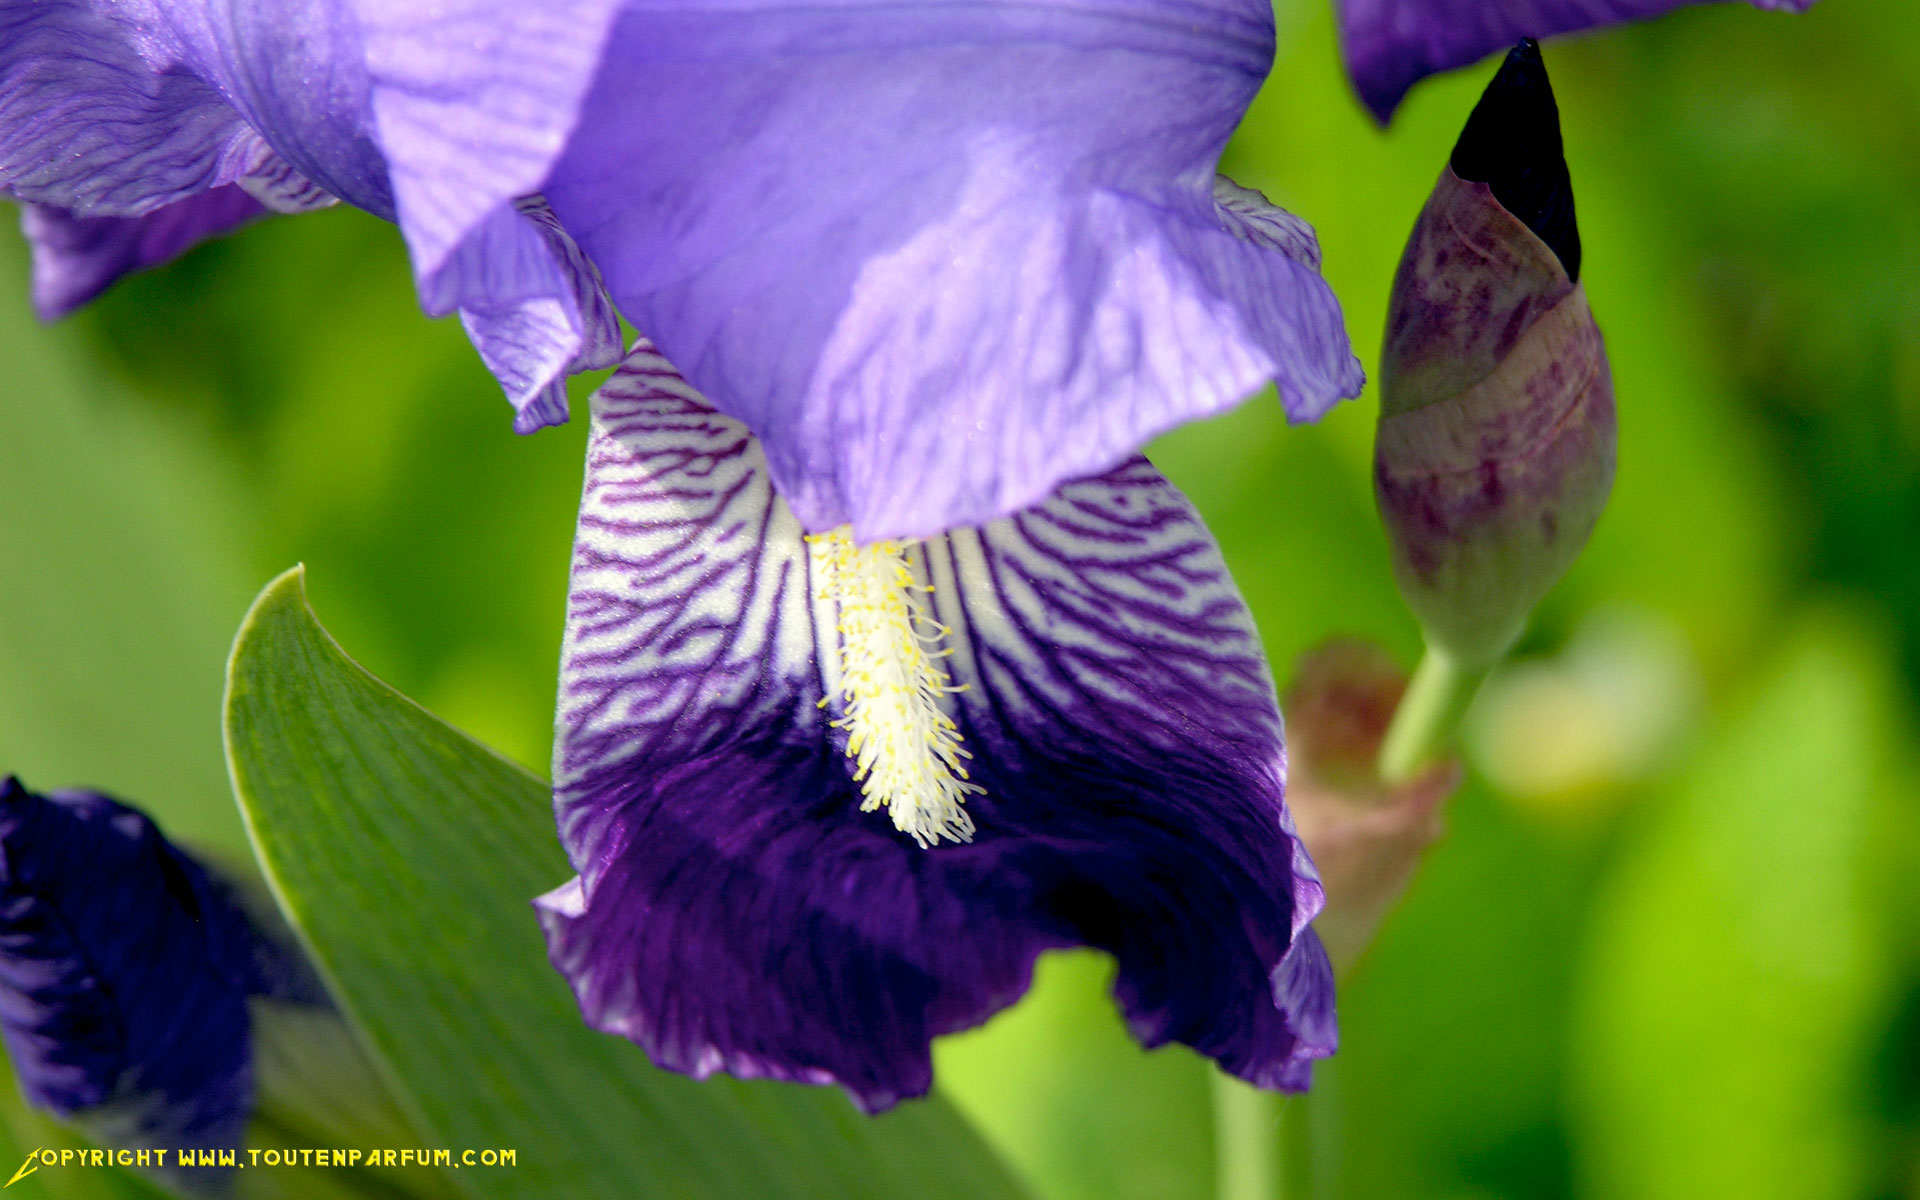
1495, 450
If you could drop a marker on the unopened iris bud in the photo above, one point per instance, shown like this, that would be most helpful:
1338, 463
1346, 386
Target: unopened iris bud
1495, 450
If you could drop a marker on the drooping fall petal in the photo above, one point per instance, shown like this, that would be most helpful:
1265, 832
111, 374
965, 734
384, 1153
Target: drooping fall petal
740, 906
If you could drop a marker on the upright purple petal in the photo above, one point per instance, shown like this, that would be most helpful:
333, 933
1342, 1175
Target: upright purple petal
940, 257
444, 118
472, 101
1393, 44
125, 971
97, 120
737, 911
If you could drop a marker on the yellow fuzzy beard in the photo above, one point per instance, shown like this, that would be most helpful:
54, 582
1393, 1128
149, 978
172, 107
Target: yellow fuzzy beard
906, 750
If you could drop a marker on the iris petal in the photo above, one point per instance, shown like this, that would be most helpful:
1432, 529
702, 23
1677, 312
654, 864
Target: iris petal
541, 319
735, 910
1036, 281
444, 118
472, 101
77, 258
90, 124
857, 328
1023, 291
1393, 44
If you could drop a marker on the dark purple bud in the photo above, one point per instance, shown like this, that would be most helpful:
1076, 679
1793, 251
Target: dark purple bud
125, 974
1495, 450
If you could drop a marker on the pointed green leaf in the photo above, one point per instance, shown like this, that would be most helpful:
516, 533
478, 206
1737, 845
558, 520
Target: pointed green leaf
407, 854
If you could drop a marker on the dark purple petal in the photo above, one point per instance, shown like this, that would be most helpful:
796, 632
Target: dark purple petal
77, 258
1393, 44
941, 257
737, 911
124, 973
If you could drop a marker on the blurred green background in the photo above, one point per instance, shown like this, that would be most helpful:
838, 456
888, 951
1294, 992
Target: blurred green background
1671, 945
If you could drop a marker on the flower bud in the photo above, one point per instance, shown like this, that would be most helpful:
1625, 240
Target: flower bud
1495, 450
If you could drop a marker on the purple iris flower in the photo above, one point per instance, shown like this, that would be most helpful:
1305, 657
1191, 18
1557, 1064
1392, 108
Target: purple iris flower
1393, 44
939, 257
829, 800
126, 972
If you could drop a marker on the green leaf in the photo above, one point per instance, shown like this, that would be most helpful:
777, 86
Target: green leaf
407, 854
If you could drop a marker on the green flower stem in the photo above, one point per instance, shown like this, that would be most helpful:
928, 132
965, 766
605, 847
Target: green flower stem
1246, 1140
1256, 1155
1429, 715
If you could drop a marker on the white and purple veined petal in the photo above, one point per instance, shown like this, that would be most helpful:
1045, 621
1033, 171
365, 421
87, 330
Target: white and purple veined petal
126, 974
974, 244
1118, 772
1391, 45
